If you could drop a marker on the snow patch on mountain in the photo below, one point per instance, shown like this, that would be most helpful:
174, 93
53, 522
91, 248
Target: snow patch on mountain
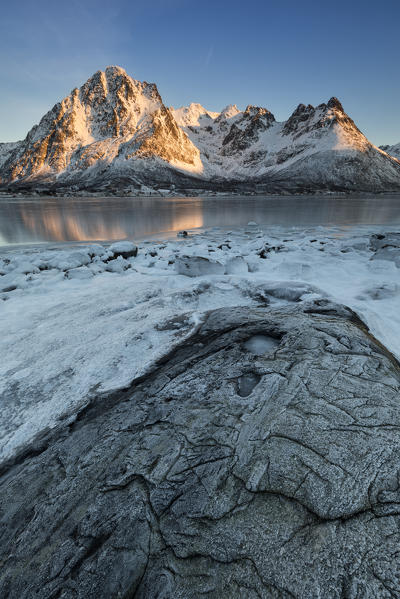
392, 150
193, 115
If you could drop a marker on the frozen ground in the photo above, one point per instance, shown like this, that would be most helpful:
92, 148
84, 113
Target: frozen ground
78, 322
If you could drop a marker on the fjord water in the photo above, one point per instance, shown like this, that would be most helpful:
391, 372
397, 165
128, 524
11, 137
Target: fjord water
59, 220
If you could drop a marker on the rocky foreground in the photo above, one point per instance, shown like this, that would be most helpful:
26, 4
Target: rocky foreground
260, 458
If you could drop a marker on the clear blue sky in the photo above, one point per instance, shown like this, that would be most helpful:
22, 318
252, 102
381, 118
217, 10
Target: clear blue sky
273, 54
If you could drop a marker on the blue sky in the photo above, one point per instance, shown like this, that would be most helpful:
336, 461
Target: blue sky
273, 54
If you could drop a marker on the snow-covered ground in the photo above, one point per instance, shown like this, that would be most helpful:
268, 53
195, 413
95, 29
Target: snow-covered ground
77, 322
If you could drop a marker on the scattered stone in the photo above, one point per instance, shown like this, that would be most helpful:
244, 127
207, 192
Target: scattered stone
263, 252
379, 241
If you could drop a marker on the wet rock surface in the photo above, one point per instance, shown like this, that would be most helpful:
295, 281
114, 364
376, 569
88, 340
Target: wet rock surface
222, 473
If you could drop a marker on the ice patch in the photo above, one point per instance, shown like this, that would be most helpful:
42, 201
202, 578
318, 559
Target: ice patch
261, 344
246, 383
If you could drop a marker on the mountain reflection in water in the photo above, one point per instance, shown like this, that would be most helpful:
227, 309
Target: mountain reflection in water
104, 219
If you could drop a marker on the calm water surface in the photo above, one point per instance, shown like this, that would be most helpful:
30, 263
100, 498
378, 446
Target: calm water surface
33, 220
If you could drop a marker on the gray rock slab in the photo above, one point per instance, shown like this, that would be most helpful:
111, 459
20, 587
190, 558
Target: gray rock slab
222, 473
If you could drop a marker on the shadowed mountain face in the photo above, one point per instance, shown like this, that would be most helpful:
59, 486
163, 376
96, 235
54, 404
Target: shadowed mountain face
115, 133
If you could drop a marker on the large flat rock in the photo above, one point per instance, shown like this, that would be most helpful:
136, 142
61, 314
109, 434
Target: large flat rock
260, 459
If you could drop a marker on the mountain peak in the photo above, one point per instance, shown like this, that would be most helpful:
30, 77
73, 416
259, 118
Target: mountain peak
335, 104
302, 108
229, 111
258, 111
300, 115
113, 71
192, 115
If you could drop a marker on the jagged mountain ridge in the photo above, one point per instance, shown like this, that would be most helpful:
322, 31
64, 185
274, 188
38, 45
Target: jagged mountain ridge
115, 133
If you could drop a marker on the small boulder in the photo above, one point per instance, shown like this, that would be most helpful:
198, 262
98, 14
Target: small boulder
198, 266
125, 249
12, 281
26, 268
118, 265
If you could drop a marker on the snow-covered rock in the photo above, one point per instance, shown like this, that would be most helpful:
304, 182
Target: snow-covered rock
26, 267
96, 250
237, 466
11, 281
386, 247
198, 266
119, 264
126, 249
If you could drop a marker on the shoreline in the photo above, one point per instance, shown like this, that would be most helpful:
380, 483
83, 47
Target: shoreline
84, 320
193, 194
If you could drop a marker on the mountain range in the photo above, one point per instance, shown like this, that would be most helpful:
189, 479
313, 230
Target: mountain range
115, 135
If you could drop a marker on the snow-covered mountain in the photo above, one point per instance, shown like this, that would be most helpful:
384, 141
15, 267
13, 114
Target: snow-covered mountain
392, 150
316, 148
116, 133
111, 121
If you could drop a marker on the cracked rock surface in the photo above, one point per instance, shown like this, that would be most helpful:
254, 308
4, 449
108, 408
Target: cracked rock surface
223, 473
